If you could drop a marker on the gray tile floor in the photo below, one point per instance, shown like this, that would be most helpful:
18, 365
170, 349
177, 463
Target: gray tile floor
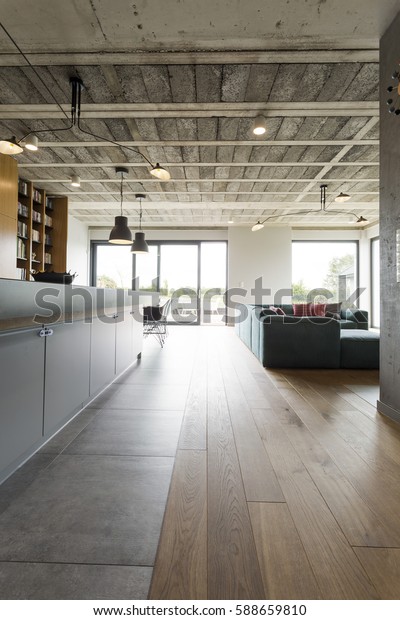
81, 519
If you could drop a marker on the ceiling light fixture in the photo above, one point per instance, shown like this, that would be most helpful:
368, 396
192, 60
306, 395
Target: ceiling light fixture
121, 234
75, 181
139, 246
30, 140
342, 197
10, 147
259, 126
322, 209
31, 143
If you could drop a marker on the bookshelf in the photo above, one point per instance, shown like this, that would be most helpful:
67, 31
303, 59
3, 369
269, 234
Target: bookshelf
41, 231
8, 215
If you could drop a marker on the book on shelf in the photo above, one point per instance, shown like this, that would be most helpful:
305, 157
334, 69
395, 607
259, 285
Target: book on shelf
48, 220
47, 258
49, 203
36, 217
35, 235
47, 240
22, 187
21, 274
22, 229
37, 196
23, 210
21, 248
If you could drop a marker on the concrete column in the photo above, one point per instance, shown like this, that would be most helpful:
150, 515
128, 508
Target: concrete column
389, 402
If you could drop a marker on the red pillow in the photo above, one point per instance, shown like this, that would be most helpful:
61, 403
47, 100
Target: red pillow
277, 310
318, 309
302, 309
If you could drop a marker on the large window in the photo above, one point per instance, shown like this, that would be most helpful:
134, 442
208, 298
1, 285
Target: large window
112, 266
324, 269
194, 273
375, 283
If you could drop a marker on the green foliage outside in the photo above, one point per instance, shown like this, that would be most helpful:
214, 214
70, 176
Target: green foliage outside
106, 282
337, 266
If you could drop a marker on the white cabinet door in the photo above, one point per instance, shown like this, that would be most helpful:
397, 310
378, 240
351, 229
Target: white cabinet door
102, 354
67, 372
21, 393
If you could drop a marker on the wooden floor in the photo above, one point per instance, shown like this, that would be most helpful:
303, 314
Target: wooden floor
286, 484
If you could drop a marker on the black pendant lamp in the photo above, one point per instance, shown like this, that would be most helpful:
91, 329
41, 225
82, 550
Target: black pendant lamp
121, 234
139, 246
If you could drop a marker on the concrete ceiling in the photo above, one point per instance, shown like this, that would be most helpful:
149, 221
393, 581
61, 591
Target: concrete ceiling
183, 81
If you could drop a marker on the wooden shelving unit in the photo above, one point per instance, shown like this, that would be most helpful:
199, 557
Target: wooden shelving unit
42, 231
8, 216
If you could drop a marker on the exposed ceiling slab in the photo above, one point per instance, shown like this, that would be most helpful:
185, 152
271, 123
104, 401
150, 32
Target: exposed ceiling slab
184, 86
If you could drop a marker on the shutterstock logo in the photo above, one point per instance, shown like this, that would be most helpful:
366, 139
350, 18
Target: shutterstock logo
70, 303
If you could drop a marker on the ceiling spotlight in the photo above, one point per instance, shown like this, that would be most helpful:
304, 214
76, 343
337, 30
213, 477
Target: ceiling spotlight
31, 143
230, 222
75, 181
342, 197
257, 226
259, 127
362, 220
10, 147
160, 173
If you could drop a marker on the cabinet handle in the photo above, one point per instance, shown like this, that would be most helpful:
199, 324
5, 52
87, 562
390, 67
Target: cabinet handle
49, 332
42, 333
115, 316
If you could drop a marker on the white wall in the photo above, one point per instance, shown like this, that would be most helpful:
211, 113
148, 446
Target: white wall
78, 250
266, 253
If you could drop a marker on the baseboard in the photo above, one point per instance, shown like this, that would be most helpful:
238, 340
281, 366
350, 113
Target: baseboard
388, 411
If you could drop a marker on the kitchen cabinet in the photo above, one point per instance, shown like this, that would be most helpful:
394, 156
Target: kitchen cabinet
21, 390
67, 372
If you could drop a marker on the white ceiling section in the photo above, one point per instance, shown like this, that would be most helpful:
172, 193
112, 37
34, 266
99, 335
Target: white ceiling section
183, 81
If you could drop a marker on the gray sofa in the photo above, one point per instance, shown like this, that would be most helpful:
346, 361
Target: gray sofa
295, 342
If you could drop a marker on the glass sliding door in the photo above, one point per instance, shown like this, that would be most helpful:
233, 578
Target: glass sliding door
192, 274
179, 280
111, 266
213, 276
147, 270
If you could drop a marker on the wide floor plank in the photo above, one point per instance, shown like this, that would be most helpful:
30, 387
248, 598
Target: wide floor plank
335, 565
383, 568
180, 570
233, 570
285, 568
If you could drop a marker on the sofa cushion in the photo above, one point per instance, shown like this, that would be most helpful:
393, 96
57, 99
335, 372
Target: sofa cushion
299, 342
302, 309
359, 348
334, 308
333, 315
277, 310
317, 309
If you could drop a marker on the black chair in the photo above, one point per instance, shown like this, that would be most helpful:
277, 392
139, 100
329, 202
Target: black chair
155, 321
